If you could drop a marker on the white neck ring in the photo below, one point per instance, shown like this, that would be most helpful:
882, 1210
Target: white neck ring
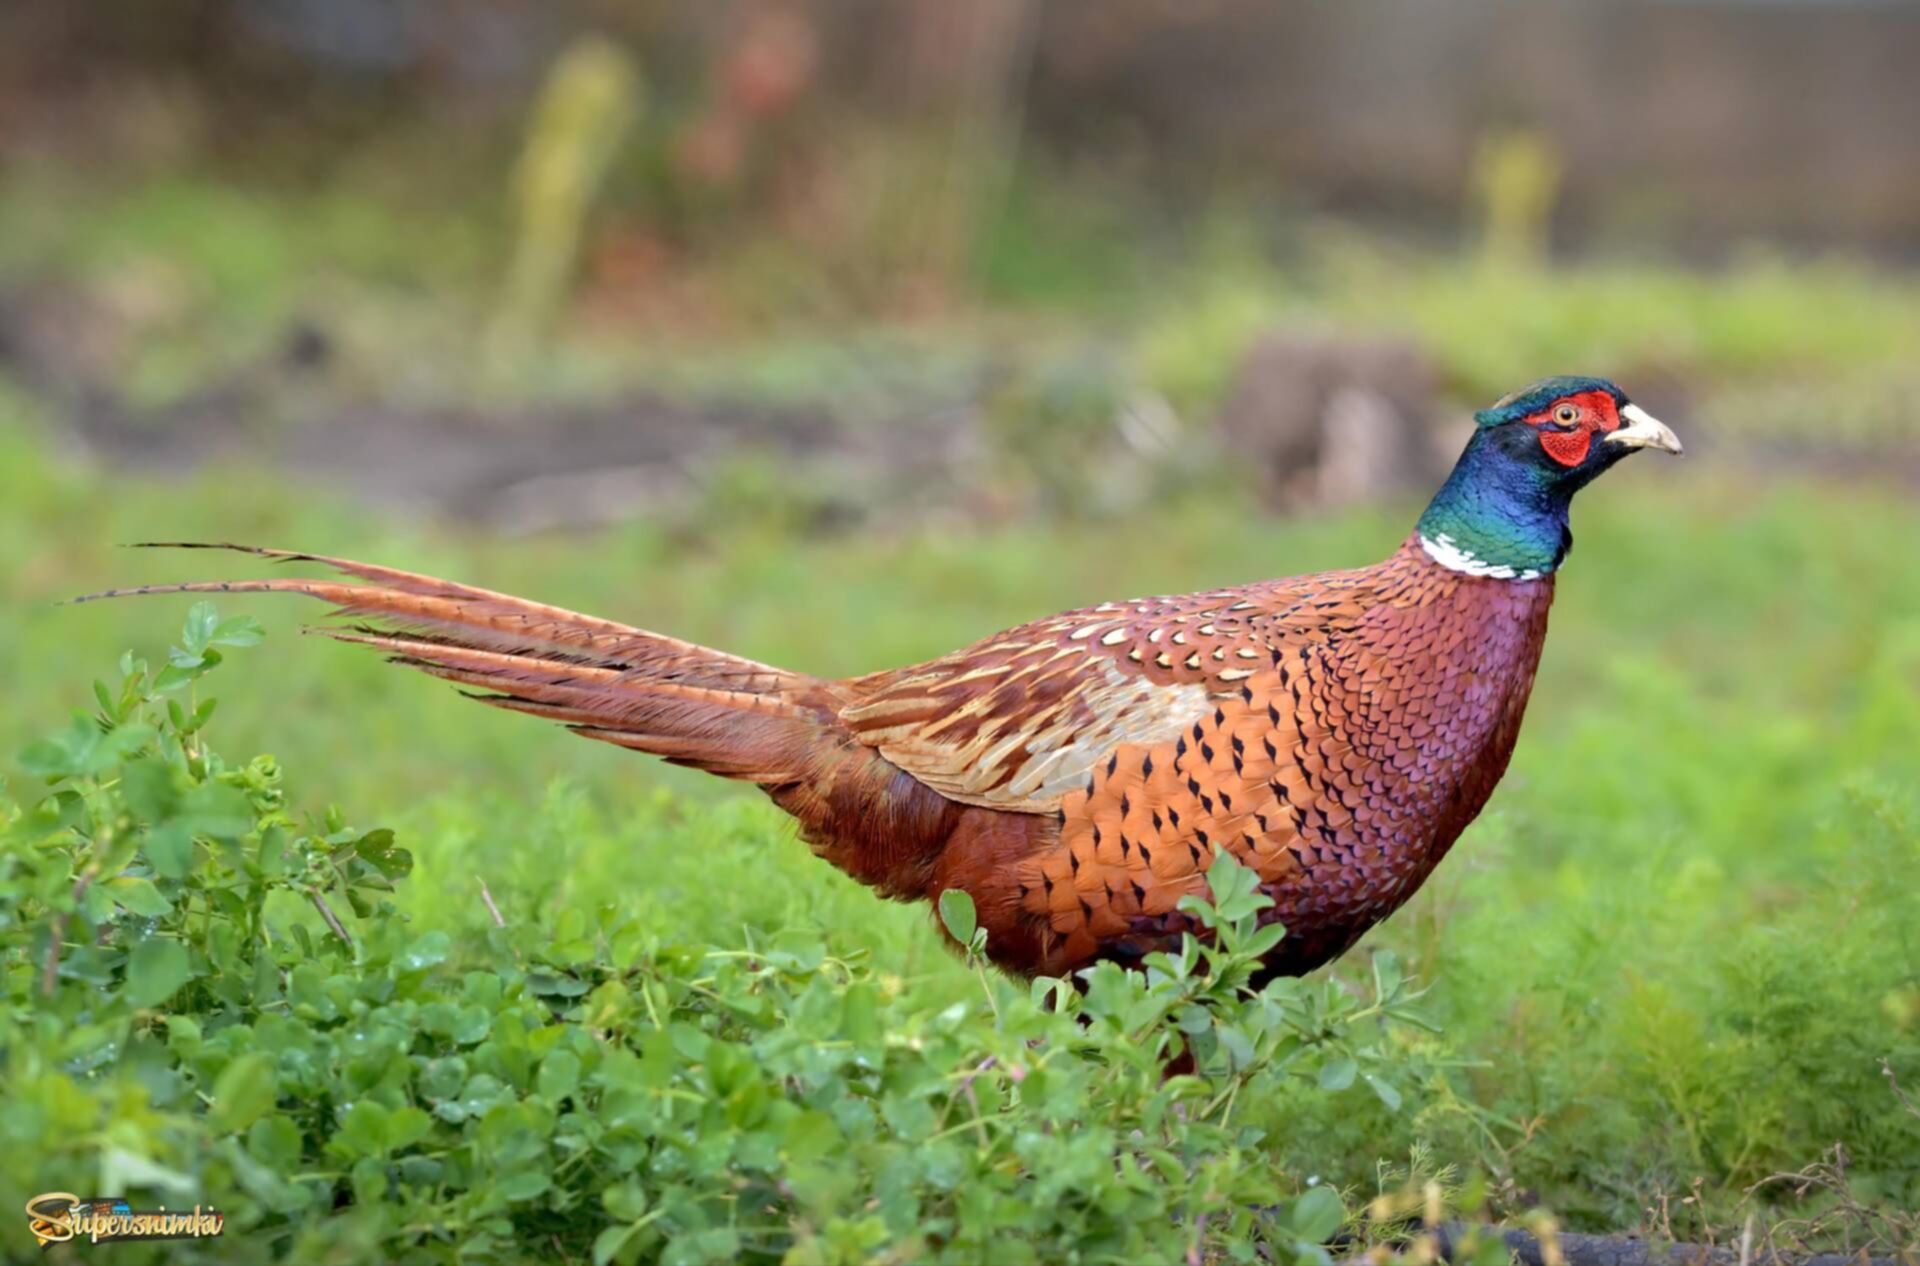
1443, 551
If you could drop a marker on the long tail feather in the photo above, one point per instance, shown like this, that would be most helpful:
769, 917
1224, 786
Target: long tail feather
481, 616
687, 703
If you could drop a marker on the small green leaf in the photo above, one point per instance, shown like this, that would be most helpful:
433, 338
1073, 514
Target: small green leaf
183, 1035
1317, 1215
245, 1091
138, 896
1385, 1090
170, 849
275, 1142
1407, 1014
1194, 1019
176, 675
201, 715
363, 1130
379, 851
198, 631
443, 1077
1235, 889
1238, 1046
810, 1135
625, 1201
369, 1179
526, 1184
429, 949
239, 630
1386, 974
471, 1025
217, 809
1338, 1073
48, 758
546, 982
406, 1127
569, 953
607, 1244
155, 971
84, 749
1305, 1254
559, 1075
150, 788
1264, 939
1050, 993
957, 913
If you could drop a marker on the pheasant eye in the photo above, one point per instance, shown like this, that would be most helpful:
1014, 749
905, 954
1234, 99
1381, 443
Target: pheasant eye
1566, 415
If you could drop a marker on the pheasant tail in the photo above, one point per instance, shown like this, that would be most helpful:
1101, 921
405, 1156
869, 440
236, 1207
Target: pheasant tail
687, 703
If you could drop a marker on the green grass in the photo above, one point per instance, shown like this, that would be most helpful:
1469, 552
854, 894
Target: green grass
1674, 947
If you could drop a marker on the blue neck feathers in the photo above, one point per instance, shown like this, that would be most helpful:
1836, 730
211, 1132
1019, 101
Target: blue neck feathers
1498, 516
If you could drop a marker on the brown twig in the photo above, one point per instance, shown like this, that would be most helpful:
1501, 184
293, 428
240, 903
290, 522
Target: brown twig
333, 920
1893, 1084
50, 972
1194, 1257
966, 1083
966, 1088
492, 909
1861, 1228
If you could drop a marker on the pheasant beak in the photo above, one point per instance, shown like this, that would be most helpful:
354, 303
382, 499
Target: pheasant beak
1643, 430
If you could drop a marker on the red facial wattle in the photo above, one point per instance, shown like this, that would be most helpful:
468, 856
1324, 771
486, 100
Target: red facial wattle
1568, 441
1569, 448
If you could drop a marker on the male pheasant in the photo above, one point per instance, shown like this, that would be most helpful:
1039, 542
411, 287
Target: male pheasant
1076, 775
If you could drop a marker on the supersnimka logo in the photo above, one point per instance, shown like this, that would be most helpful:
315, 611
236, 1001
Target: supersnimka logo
59, 1216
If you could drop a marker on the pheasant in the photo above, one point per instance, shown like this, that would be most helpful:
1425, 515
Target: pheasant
1077, 775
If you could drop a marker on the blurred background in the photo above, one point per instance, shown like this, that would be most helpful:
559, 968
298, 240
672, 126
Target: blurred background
554, 265
842, 332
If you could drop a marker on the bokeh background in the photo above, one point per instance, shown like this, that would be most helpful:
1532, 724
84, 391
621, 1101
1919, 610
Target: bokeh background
841, 332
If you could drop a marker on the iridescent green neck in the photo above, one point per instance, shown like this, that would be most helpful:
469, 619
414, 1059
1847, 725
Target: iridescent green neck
1497, 517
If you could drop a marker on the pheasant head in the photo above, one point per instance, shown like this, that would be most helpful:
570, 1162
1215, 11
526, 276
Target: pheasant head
1503, 510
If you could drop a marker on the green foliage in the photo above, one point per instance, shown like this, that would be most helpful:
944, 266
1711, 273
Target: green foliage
210, 999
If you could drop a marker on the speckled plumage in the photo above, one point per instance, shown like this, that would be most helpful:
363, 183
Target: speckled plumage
1378, 709
1077, 775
